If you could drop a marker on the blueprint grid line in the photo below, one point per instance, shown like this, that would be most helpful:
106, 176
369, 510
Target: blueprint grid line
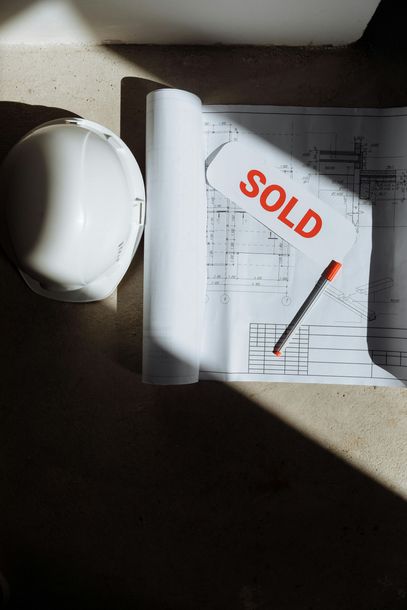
356, 161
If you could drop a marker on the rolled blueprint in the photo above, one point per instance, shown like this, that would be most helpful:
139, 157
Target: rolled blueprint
175, 241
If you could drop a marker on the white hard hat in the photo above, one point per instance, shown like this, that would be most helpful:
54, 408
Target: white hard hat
73, 204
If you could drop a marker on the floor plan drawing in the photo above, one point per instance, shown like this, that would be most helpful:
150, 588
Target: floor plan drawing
356, 161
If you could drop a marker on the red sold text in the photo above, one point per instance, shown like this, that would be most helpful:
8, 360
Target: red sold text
308, 226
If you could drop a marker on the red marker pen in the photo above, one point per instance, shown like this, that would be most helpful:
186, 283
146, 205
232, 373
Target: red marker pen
327, 276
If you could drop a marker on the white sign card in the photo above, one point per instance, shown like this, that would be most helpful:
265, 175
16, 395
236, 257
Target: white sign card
247, 174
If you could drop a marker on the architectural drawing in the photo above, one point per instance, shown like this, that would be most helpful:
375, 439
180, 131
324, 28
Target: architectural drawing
243, 255
356, 161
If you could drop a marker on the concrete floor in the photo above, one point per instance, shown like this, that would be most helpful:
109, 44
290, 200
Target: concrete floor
214, 496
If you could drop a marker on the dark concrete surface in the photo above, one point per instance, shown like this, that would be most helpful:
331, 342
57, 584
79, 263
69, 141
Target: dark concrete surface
119, 495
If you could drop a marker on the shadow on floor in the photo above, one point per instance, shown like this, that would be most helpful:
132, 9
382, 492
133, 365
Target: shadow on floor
117, 494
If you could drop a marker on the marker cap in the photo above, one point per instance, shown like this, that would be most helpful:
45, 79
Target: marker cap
331, 271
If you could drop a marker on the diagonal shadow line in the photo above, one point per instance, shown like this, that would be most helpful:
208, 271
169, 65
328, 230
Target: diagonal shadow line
9, 10
116, 494
119, 494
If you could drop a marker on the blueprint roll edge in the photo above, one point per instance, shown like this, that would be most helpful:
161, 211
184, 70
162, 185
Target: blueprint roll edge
175, 242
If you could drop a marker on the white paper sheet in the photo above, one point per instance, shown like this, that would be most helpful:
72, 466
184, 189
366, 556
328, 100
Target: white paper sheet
174, 263
356, 162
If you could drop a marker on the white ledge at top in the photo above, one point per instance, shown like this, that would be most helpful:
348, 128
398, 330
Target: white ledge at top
257, 22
